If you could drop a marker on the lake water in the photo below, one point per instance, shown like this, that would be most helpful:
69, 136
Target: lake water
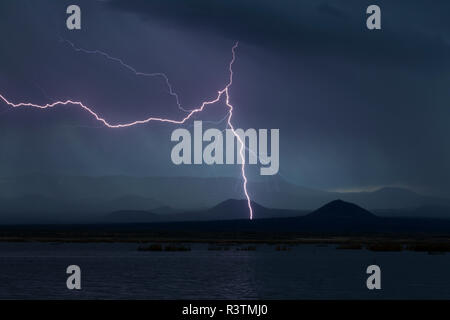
119, 271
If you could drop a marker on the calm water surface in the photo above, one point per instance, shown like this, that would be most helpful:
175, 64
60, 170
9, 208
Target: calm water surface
119, 271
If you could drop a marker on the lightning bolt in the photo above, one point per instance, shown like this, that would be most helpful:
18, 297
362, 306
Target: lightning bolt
132, 69
224, 92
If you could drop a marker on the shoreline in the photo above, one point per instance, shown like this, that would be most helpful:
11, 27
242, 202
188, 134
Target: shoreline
431, 244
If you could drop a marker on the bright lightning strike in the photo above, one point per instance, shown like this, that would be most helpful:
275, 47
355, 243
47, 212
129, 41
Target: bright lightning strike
220, 94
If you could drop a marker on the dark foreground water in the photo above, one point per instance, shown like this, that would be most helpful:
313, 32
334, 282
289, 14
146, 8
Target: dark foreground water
119, 271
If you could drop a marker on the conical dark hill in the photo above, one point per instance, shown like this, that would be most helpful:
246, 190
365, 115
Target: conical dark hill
341, 210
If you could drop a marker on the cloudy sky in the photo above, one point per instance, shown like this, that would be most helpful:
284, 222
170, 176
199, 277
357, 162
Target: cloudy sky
356, 109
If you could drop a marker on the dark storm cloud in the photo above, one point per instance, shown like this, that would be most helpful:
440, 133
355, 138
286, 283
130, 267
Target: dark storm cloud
331, 10
337, 26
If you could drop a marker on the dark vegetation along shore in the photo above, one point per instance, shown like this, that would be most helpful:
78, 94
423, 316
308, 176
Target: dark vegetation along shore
348, 226
431, 246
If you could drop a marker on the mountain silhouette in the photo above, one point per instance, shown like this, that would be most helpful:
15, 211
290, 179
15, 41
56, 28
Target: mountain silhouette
334, 218
335, 215
85, 198
341, 210
238, 209
231, 209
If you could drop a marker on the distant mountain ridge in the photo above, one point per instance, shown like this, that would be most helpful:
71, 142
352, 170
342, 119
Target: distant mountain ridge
339, 209
81, 199
335, 218
127, 216
230, 209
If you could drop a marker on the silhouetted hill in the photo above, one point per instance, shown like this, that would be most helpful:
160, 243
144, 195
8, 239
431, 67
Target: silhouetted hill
338, 209
238, 209
335, 218
72, 197
227, 210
